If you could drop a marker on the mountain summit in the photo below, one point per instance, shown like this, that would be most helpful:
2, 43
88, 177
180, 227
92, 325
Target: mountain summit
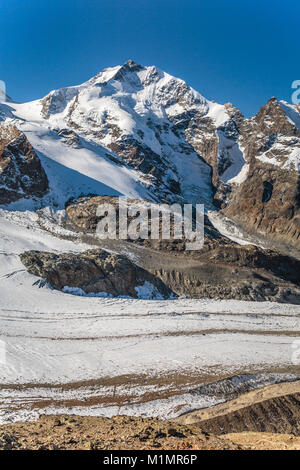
138, 131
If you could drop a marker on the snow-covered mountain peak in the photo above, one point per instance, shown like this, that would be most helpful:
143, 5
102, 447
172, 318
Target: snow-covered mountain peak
138, 131
137, 117
131, 86
118, 72
149, 121
142, 115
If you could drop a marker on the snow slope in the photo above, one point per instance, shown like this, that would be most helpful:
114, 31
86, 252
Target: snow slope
74, 171
54, 339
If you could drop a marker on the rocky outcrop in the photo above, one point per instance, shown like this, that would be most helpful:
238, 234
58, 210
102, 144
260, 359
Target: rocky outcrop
216, 142
21, 172
81, 215
250, 256
221, 269
216, 281
70, 432
268, 200
95, 271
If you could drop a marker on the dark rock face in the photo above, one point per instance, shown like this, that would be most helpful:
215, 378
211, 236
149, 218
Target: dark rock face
252, 257
267, 202
21, 172
205, 139
230, 271
95, 271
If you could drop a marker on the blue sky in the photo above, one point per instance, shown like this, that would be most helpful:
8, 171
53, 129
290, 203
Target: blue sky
239, 51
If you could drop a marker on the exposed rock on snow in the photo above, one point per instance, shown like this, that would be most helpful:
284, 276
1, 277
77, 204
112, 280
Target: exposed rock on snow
21, 173
95, 271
